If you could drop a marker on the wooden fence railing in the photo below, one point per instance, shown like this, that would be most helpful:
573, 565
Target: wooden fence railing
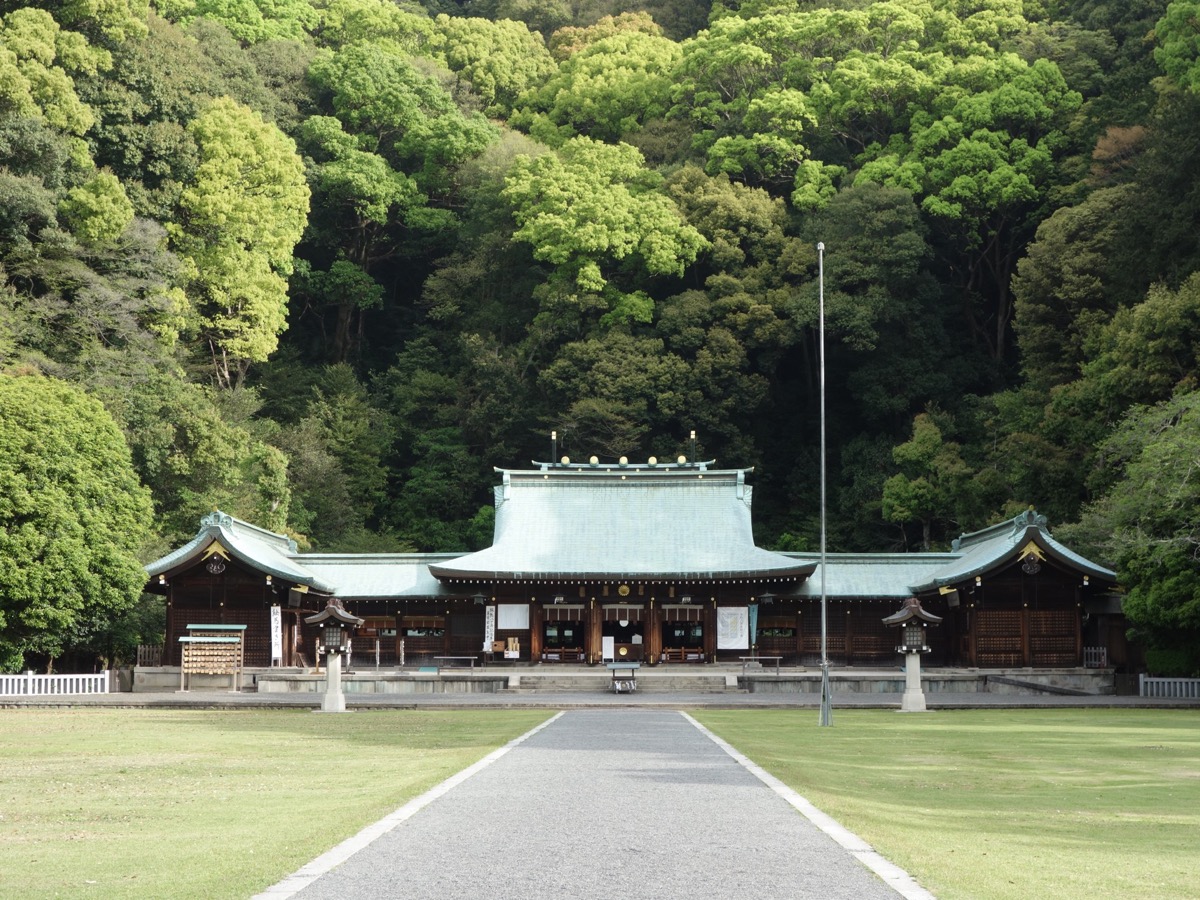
1169, 688
27, 684
149, 655
1095, 657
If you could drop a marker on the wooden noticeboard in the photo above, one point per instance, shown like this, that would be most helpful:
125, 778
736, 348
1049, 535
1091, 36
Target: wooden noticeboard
213, 650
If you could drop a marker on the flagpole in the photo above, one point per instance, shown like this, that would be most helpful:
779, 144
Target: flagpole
826, 717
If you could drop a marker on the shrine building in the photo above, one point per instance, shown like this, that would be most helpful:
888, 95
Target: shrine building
654, 563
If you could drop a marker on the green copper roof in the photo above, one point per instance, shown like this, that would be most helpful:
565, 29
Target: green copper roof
982, 551
623, 522
270, 553
688, 523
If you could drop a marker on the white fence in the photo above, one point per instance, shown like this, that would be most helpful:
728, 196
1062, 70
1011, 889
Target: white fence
1172, 688
27, 684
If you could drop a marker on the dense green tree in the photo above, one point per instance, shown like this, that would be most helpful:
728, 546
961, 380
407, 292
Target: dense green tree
590, 206
72, 520
500, 60
252, 21
239, 220
605, 90
1065, 287
1178, 37
932, 482
399, 112
1147, 522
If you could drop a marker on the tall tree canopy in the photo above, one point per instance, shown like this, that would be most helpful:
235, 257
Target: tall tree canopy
73, 518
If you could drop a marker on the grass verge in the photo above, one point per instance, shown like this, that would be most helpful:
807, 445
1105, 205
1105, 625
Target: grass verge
211, 803
1001, 804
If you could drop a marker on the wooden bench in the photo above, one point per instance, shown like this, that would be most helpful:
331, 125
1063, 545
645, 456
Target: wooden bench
748, 661
563, 654
454, 662
683, 654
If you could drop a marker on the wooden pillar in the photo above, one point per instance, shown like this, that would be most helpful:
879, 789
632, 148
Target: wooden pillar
710, 630
1026, 651
653, 633
972, 639
800, 633
594, 644
849, 639
537, 617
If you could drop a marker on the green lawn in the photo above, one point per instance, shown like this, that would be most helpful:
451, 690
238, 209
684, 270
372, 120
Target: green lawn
976, 804
993, 804
200, 803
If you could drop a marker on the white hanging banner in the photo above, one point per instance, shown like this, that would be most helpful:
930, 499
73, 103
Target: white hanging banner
489, 628
513, 616
276, 635
733, 628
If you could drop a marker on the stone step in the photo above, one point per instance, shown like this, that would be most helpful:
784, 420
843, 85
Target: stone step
654, 683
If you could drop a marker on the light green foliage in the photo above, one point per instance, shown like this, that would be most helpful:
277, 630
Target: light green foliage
240, 218
590, 205
98, 210
500, 60
400, 113
931, 480
344, 22
112, 21
29, 43
1178, 37
72, 519
605, 90
360, 183
565, 42
254, 21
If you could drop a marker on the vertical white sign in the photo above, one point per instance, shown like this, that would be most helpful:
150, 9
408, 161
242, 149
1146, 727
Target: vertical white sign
276, 635
733, 628
489, 628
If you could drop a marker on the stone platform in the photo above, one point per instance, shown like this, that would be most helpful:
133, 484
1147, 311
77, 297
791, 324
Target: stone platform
666, 679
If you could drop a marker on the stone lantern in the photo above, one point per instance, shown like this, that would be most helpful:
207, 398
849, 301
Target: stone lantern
337, 626
911, 620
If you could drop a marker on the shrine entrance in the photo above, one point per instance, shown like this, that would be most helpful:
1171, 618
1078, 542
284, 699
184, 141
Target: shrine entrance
624, 627
682, 634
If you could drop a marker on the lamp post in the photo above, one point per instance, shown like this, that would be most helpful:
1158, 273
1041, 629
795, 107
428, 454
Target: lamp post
826, 717
336, 625
911, 620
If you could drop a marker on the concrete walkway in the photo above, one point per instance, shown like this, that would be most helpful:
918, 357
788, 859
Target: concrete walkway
600, 804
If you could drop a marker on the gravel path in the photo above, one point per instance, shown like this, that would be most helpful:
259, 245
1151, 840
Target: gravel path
604, 804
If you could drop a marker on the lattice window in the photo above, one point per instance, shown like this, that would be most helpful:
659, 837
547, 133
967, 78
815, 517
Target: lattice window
1052, 639
999, 638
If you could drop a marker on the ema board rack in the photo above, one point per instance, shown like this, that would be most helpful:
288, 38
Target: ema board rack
213, 650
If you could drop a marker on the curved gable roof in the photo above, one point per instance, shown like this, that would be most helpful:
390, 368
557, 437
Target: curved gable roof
623, 522
256, 547
1000, 545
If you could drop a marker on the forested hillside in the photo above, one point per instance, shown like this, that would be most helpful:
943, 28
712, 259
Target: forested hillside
325, 263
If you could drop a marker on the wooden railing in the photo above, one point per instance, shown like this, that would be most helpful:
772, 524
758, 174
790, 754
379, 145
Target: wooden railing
149, 655
1095, 657
27, 684
1169, 688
